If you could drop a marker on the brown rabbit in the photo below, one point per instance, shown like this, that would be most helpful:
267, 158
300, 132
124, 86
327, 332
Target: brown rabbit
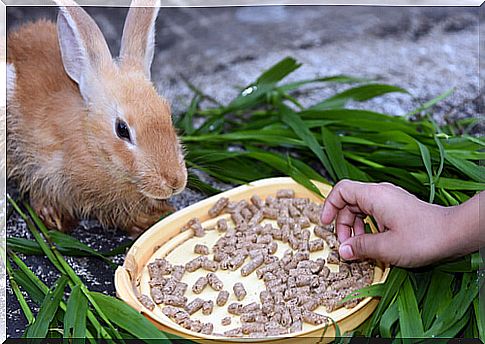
88, 136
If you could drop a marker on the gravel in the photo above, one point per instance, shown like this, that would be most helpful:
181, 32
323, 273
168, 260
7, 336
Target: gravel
424, 50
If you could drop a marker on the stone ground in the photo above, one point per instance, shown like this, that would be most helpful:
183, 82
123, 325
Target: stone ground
425, 50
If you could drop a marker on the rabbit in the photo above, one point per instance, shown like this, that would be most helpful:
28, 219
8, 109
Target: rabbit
88, 136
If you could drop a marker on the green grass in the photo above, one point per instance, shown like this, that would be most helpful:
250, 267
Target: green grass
266, 132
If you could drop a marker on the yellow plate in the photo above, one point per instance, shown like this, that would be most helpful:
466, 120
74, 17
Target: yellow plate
165, 239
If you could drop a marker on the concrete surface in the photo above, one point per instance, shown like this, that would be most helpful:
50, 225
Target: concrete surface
425, 50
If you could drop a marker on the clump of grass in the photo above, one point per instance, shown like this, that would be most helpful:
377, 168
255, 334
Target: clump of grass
266, 132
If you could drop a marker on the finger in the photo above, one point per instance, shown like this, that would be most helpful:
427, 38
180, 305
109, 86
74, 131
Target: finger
343, 224
375, 246
359, 226
346, 193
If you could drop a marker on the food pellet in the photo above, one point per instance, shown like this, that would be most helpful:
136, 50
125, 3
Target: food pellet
297, 326
285, 193
221, 225
252, 265
147, 302
157, 295
200, 284
207, 328
178, 272
207, 307
316, 245
169, 287
175, 300
214, 282
239, 291
253, 306
226, 321
218, 207
333, 258
170, 311
196, 326
314, 318
235, 332
322, 232
257, 201
236, 262
201, 249
194, 305
196, 227
180, 289
252, 327
222, 298
235, 308
209, 265
194, 264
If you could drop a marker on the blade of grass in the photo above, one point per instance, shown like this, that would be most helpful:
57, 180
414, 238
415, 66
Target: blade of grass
451, 183
75, 316
186, 122
478, 306
475, 172
198, 92
70, 243
263, 85
337, 79
333, 148
431, 102
388, 319
457, 326
410, 322
468, 263
438, 296
18, 294
429, 169
371, 290
31, 247
194, 182
441, 149
456, 309
294, 121
120, 249
47, 310
127, 318
359, 93
393, 284
302, 179
45, 248
25, 246
35, 294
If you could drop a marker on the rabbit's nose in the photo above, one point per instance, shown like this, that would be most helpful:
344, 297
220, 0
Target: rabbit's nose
177, 181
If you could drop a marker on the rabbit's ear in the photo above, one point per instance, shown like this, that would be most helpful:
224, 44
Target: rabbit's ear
138, 42
83, 47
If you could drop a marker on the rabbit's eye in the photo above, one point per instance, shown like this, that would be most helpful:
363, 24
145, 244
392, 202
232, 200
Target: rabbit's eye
122, 130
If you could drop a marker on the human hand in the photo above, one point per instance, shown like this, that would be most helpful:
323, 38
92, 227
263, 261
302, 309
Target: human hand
411, 232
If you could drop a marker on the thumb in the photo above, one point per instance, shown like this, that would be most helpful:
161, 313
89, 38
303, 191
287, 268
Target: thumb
374, 246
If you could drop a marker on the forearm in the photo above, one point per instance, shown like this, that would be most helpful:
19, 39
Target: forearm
466, 232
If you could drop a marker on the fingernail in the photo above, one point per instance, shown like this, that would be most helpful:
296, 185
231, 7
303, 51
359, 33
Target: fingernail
346, 252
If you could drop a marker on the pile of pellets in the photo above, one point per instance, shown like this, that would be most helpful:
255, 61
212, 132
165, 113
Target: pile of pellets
295, 284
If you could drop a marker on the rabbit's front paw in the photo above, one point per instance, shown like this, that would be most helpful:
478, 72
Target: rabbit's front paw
53, 217
143, 221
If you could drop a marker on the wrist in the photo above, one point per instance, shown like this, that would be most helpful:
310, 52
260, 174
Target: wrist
462, 228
